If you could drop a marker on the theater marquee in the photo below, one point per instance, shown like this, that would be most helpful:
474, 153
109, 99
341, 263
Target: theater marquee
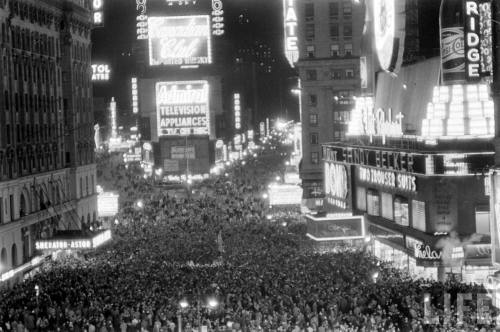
182, 108
179, 40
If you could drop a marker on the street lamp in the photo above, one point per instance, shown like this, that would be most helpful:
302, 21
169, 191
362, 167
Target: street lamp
212, 303
265, 195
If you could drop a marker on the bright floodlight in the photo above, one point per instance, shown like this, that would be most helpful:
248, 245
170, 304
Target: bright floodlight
184, 304
212, 303
265, 195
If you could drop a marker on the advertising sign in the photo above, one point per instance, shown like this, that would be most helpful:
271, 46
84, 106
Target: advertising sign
97, 13
170, 165
237, 111
495, 215
179, 40
217, 18
182, 108
100, 72
290, 25
336, 185
135, 97
107, 204
285, 194
182, 152
141, 19
363, 72
335, 228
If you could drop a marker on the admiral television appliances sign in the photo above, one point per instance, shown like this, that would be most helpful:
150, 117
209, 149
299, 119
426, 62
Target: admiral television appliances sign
179, 40
182, 108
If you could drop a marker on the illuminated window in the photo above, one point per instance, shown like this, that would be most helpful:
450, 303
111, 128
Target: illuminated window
347, 9
311, 75
347, 30
401, 211
312, 100
373, 202
361, 198
314, 158
314, 138
310, 51
309, 12
482, 220
310, 31
349, 73
334, 50
418, 215
333, 10
387, 208
313, 119
334, 31
348, 49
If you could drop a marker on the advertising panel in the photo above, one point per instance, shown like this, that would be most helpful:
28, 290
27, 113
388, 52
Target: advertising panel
98, 13
335, 227
179, 40
107, 204
285, 194
100, 72
182, 152
182, 108
135, 97
170, 165
237, 111
337, 185
290, 26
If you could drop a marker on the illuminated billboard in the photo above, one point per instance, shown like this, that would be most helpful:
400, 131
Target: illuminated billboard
100, 72
182, 108
107, 204
335, 227
285, 194
97, 13
179, 40
290, 25
237, 111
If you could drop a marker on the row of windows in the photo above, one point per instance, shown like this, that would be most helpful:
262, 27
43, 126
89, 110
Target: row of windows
34, 133
333, 10
336, 31
312, 99
30, 102
333, 74
335, 50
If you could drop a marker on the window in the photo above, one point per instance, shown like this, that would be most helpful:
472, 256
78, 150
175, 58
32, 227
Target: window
335, 74
482, 220
349, 73
313, 100
401, 211
373, 202
314, 138
311, 75
333, 10
347, 31
309, 31
387, 208
341, 116
310, 51
347, 9
313, 119
348, 49
334, 50
309, 12
361, 198
418, 215
314, 158
334, 31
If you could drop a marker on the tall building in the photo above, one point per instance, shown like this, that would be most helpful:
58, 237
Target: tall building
47, 170
329, 44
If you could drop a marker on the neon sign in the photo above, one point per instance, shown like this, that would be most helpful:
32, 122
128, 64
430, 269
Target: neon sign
100, 72
141, 19
291, 39
179, 40
426, 252
336, 184
217, 18
401, 181
182, 108
135, 97
97, 12
237, 111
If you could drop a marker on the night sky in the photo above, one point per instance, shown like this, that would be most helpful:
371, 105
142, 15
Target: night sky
246, 21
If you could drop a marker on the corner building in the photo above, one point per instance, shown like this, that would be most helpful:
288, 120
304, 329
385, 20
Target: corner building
47, 170
329, 40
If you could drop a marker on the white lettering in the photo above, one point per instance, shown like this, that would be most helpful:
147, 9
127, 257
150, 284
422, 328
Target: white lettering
401, 181
471, 8
426, 252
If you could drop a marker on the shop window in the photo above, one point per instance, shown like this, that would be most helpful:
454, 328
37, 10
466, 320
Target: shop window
361, 198
401, 210
418, 215
482, 220
373, 202
387, 209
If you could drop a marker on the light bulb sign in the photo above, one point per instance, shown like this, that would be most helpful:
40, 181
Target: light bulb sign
141, 19
217, 18
98, 13
182, 108
336, 185
179, 40
478, 39
100, 72
135, 97
237, 111
290, 26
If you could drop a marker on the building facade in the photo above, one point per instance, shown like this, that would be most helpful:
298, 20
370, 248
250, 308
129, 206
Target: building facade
47, 170
329, 44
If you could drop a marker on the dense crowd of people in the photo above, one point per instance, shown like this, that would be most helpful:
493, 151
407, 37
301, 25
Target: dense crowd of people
217, 251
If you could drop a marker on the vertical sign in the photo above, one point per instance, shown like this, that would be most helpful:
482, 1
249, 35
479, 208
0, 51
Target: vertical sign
478, 39
262, 129
135, 98
97, 13
363, 72
485, 33
217, 18
141, 19
112, 111
290, 25
267, 126
237, 111
495, 215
